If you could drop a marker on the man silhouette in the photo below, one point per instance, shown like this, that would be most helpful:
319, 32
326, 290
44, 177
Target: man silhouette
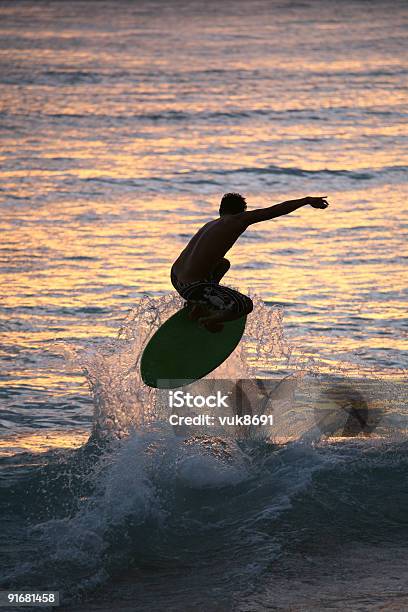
197, 271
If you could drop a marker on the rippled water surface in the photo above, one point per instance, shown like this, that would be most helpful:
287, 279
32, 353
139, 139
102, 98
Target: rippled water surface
121, 126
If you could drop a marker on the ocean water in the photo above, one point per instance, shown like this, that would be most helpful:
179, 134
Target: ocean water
121, 126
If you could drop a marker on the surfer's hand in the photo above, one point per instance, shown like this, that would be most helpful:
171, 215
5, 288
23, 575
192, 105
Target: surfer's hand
319, 202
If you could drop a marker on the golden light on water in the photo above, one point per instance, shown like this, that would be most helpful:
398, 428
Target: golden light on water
129, 249
42, 441
115, 152
121, 127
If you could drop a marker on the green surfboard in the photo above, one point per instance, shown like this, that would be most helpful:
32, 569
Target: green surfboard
181, 351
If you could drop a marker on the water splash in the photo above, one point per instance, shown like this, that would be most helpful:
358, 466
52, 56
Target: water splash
152, 499
124, 404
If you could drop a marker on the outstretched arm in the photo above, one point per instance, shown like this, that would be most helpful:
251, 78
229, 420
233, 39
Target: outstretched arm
277, 210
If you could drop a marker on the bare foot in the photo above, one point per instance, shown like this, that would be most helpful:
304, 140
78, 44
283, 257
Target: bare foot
196, 311
213, 326
211, 323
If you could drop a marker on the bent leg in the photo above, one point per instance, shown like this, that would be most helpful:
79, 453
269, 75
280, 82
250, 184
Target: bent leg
227, 305
220, 269
220, 304
222, 316
199, 311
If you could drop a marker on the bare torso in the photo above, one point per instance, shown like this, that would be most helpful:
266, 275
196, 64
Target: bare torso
207, 247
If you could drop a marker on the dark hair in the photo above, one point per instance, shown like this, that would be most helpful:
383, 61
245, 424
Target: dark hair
232, 203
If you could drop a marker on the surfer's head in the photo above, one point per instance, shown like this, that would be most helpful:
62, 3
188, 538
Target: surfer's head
232, 204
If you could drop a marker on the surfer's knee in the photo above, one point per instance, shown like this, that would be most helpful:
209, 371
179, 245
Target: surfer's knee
225, 263
221, 269
222, 266
249, 305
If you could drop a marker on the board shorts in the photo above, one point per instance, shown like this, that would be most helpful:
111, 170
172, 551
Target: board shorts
210, 294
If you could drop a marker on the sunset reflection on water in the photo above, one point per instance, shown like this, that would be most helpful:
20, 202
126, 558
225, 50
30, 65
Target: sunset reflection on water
118, 140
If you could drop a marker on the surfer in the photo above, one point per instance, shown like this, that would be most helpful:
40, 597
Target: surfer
198, 270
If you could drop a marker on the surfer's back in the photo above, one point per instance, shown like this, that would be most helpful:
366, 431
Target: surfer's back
207, 247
